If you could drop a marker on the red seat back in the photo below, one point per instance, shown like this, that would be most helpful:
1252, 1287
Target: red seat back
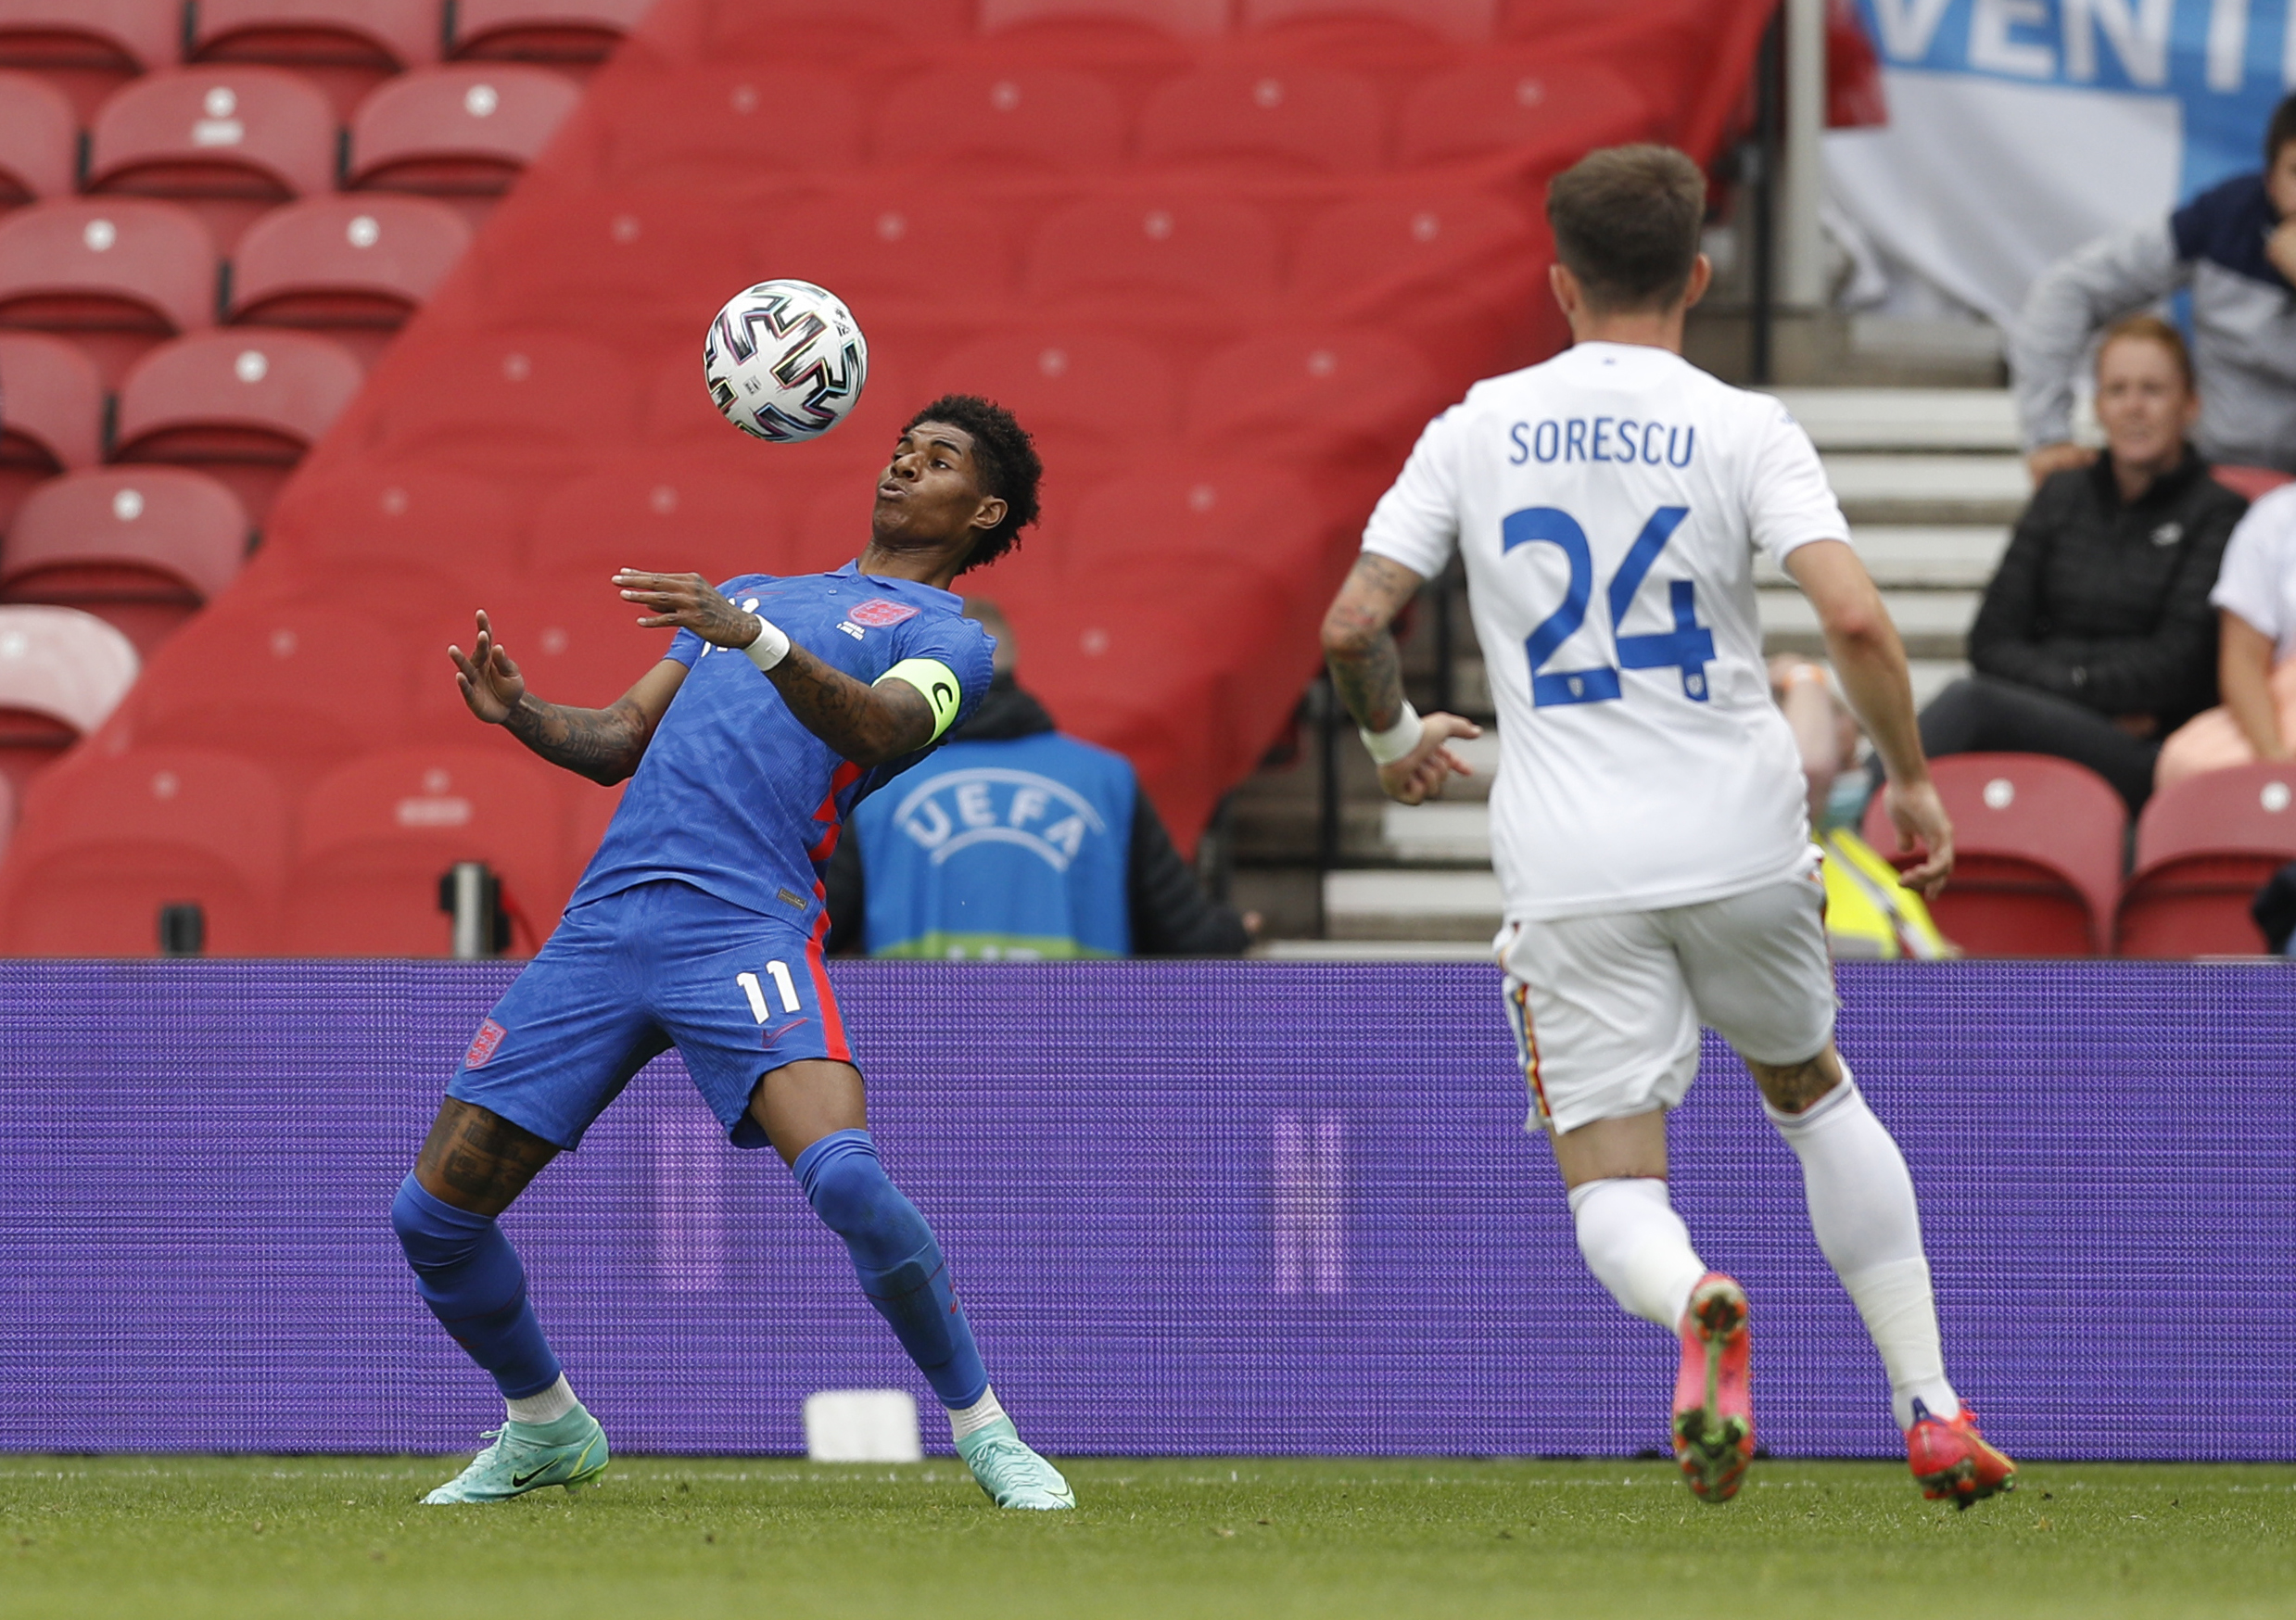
673, 250
88, 48
1314, 392
244, 405
389, 34
2204, 846
1457, 21
376, 515
54, 414
140, 547
572, 32
734, 125
1048, 119
502, 399
352, 266
1289, 116
1158, 252
668, 512
2252, 482
1085, 389
2037, 844
374, 837
1544, 112
889, 248
117, 273
106, 841
228, 141
465, 130
39, 140
1191, 18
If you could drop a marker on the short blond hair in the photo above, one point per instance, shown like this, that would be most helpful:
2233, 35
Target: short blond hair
2150, 328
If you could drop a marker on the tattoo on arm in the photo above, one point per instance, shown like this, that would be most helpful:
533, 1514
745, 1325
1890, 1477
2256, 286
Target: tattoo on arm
867, 725
603, 745
1366, 670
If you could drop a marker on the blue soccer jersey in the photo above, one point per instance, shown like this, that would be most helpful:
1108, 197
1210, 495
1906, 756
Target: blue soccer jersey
735, 796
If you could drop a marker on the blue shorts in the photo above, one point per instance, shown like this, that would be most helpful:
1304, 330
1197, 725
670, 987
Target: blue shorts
627, 976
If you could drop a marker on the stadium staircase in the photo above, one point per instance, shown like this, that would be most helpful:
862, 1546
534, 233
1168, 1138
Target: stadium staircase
1930, 479
1222, 256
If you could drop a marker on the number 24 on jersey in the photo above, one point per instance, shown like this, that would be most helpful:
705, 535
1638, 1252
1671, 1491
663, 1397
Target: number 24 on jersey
1689, 646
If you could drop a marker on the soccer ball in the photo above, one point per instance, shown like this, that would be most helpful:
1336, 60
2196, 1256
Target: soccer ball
785, 360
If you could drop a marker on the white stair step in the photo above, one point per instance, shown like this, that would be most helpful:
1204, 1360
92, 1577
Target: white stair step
1411, 905
1921, 556
1861, 479
1928, 615
1905, 418
1437, 832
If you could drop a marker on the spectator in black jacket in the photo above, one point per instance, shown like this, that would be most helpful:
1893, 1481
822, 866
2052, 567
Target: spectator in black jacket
2096, 638
1022, 892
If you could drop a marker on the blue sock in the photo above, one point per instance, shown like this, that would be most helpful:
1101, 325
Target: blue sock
900, 1266
469, 1275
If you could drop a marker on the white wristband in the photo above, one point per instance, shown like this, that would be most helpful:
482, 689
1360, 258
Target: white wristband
1397, 741
771, 646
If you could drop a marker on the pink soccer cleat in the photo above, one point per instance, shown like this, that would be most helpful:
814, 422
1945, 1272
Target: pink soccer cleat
1952, 1461
1714, 1392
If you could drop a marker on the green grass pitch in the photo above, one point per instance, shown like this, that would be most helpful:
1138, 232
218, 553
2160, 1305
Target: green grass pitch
1323, 1539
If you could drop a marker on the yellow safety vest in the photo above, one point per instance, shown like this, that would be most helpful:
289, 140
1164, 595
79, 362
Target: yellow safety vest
1870, 915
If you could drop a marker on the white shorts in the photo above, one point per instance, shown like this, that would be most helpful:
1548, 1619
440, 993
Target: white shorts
1606, 1008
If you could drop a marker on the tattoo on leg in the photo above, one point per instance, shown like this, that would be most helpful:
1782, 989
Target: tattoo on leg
1793, 1087
478, 1160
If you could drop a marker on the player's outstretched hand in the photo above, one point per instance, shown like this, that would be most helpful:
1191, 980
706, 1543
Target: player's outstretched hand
490, 682
687, 601
1420, 775
1924, 831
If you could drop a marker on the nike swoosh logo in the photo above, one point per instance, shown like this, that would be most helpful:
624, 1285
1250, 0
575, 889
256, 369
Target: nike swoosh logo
520, 1481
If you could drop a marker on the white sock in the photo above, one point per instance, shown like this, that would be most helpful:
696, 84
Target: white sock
1637, 1246
546, 1408
1862, 1209
971, 1420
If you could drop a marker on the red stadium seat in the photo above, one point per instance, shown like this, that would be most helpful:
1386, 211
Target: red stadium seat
1457, 21
1093, 393
2252, 482
63, 672
2204, 846
2037, 846
571, 634
244, 406
570, 33
39, 140
296, 683
1460, 274
141, 548
352, 267
226, 141
1044, 119
885, 248
51, 414
106, 841
1330, 392
882, 32
511, 400
672, 513
373, 514
118, 274
88, 48
735, 124
1235, 515
1155, 255
1548, 113
374, 837
346, 47
463, 132
1291, 116
1192, 19
672, 251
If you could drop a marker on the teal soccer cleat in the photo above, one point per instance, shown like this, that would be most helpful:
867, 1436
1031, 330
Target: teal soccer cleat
570, 1452
1013, 1476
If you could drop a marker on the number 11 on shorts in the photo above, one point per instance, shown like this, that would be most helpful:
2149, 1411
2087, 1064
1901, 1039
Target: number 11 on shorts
779, 973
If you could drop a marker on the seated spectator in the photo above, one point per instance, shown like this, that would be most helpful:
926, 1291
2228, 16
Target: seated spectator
1014, 843
2096, 638
2255, 597
2234, 247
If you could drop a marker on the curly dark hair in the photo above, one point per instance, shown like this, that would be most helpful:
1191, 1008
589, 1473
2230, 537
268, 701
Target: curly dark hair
1011, 469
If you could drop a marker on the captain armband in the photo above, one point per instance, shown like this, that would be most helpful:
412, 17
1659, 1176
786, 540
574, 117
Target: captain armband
937, 681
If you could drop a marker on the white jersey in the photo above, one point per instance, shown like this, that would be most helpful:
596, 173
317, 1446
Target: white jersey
1609, 504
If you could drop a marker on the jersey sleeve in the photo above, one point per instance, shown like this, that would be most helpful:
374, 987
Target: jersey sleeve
1788, 501
1416, 522
686, 648
961, 647
2255, 558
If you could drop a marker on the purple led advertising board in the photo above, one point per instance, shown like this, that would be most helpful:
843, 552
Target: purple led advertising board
1212, 1208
